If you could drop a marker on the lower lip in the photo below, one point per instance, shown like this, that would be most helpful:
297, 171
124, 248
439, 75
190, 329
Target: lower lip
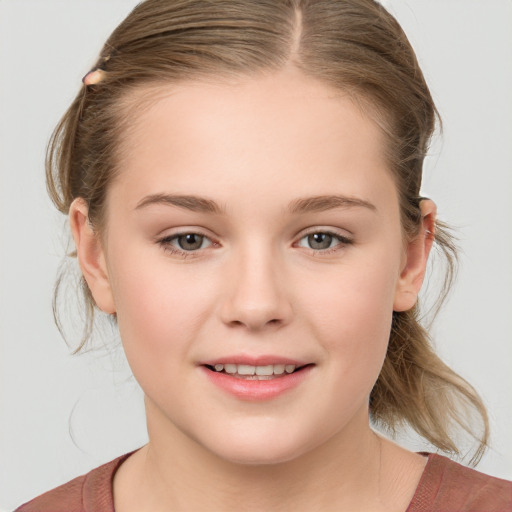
257, 390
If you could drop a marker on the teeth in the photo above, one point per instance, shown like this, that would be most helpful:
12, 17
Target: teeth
278, 369
264, 370
230, 368
246, 369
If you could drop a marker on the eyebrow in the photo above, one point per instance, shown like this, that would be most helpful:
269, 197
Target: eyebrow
192, 203
297, 206
329, 202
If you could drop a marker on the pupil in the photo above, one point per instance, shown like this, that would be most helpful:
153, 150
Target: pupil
190, 241
320, 240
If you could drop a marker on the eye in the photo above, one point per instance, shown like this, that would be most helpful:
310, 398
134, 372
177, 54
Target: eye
190, 241
324, 241
185, 243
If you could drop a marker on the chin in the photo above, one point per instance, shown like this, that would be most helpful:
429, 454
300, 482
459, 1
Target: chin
260, 447
258, 456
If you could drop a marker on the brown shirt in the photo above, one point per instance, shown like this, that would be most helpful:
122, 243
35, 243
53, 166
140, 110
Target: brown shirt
444, 487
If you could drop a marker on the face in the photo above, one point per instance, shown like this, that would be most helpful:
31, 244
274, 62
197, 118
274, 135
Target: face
254, 228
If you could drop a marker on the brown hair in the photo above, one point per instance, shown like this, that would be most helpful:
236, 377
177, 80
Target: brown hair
353, 45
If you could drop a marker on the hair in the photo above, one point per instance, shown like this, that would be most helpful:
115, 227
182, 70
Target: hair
355, 46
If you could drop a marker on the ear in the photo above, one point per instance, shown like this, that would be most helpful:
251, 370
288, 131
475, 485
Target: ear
91, 256
416, 256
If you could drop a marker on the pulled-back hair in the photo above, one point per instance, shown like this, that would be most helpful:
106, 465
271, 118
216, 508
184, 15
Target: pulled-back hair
355, 46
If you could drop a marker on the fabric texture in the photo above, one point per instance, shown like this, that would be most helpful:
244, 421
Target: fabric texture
445, 486
87, 493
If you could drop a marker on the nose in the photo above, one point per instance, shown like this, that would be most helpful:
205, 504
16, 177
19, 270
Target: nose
256, 297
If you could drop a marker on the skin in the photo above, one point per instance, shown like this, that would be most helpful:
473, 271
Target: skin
256, 286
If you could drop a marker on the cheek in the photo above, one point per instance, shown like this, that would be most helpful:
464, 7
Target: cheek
160, 308
351, 314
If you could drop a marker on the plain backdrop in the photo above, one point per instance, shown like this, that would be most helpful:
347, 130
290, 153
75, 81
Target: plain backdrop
61, 415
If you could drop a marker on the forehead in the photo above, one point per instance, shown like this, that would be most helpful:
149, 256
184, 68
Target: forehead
252, 137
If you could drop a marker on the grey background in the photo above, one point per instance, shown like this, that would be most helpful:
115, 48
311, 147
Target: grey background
61, 415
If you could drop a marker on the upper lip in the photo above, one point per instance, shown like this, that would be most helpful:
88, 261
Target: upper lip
260, 360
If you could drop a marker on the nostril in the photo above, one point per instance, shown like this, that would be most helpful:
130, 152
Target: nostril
273, 321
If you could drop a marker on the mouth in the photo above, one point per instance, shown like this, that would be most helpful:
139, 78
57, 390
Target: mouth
249, 372
256, 377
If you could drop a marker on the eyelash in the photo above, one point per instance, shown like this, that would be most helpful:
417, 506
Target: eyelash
166, 243
343, 242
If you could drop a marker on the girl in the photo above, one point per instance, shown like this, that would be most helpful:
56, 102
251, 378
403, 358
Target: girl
242, 181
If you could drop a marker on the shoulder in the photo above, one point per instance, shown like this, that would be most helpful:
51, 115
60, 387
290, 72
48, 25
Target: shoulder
87, 493
451, 487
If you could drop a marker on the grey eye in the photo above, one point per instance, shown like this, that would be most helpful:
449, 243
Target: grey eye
319, 241
190, 241
324, 241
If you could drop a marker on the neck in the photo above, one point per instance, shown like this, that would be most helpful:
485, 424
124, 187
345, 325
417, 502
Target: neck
174, 472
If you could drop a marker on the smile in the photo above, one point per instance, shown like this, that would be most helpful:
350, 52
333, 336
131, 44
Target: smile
256, 382
249, 372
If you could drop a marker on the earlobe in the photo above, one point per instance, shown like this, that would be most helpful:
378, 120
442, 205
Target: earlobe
418, 250
91, 256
